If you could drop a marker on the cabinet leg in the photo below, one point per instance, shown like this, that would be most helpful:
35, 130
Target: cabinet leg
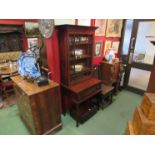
77, 115
103, 103
63, 105
98, 101
111, 95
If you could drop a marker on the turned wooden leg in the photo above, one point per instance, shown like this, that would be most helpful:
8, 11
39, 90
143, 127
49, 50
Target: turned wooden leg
111, 95
77, 115
63, 105
98, 101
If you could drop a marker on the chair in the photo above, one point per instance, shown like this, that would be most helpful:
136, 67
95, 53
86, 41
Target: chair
6, 86
107, 89
106, 95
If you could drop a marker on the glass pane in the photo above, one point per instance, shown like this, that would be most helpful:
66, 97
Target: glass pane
80, 56
127, 36
144, 49
139, 78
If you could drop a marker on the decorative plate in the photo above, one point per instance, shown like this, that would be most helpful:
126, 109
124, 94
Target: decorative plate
27, 66
46, 27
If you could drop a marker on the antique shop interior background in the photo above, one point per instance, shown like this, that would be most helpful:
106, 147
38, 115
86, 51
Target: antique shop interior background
101, 78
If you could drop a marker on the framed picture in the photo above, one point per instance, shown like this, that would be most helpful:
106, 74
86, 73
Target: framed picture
114, 27
32, 29
101, 24
97, 49
115, 46
32, 42
107, 45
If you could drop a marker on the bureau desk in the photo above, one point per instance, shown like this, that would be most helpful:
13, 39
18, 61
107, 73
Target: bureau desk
81, 93
38, 106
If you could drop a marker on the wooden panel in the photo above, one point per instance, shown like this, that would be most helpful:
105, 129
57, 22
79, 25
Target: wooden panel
141, 124
148, 106
83, 85
45, 110
24, 108
151, 85
129, 129
10, 38
109, 73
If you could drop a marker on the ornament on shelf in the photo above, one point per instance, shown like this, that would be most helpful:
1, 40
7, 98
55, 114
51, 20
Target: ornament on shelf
110, 55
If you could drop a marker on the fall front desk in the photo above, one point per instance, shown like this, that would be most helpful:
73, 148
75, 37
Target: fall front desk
38, 106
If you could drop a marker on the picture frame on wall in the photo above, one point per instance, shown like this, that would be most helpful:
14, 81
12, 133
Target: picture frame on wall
114, 27
107, 45
32, 42
32, 30
98, 46
101, 24
115, 45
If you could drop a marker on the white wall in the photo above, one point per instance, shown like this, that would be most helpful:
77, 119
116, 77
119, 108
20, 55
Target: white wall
64, 21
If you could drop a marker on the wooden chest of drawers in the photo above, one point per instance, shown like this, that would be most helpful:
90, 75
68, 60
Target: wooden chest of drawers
109, 73
141, 125
148, 106
38, 106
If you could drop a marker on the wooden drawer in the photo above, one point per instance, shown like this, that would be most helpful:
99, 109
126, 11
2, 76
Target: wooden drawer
141, 124
148, 106
89, 91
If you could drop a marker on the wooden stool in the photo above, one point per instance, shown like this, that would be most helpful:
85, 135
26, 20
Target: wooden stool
107, 93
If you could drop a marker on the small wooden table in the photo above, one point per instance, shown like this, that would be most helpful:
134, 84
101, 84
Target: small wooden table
7, 70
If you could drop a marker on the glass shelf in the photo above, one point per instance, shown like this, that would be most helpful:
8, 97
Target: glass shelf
75, 73
76, 58
80, 43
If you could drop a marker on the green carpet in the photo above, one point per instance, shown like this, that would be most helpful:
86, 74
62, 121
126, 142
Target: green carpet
110, 121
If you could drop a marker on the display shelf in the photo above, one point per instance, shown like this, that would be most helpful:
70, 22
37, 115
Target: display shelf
81, 57
78, 85
75, 73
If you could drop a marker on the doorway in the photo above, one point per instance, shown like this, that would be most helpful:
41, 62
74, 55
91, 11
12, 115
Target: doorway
139, 52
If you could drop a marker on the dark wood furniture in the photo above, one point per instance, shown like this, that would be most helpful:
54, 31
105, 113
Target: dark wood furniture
38, 106
106, 95
110, 74
107, 90
151, 85
76, 53
11, 38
